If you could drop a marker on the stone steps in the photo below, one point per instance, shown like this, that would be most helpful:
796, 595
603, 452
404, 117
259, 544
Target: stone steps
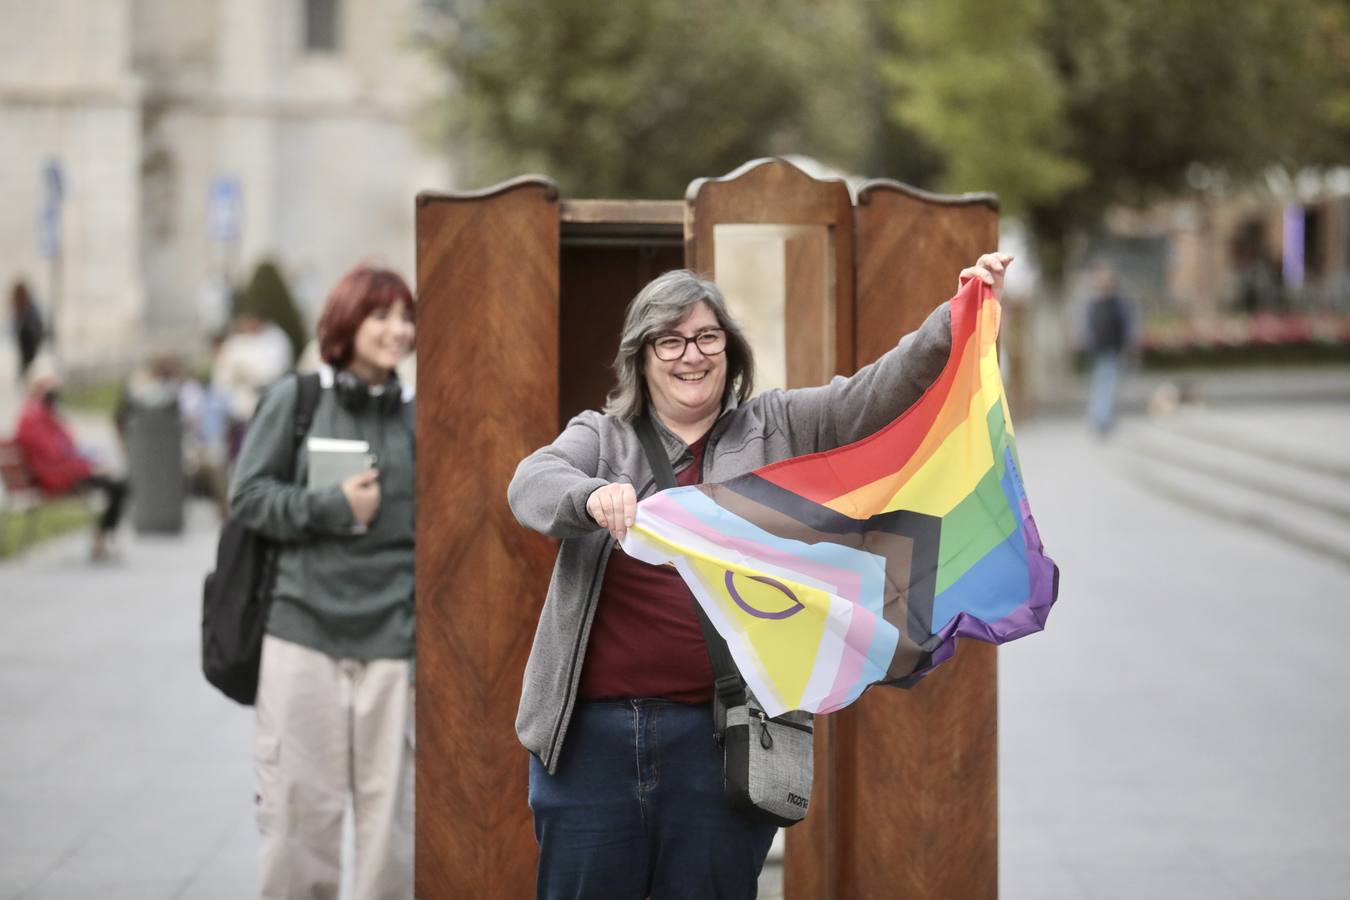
1296, 492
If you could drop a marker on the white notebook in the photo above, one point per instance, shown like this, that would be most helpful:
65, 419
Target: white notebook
334, 460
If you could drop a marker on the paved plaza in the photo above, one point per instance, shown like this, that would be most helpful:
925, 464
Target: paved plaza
1179, 730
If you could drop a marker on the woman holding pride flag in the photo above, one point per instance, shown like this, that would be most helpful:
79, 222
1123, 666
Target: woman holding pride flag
335, 692
619, 669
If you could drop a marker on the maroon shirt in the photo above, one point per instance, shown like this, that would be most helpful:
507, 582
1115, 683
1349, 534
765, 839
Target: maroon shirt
645, 639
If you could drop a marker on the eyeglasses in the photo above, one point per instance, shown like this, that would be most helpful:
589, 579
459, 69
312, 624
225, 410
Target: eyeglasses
670, 347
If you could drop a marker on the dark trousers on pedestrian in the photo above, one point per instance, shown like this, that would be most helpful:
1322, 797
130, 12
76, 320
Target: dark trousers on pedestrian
114, 492
636, 809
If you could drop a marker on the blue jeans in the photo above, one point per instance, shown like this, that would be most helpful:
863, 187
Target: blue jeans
1102, 400
636, 809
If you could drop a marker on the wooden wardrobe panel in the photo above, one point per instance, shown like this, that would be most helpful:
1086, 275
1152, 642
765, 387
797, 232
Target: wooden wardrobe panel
819, 284
906, 796
915, 773
487, 378
597, 283
775, 192
911, 246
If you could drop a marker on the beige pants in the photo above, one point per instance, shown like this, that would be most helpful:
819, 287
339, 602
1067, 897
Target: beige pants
329, 730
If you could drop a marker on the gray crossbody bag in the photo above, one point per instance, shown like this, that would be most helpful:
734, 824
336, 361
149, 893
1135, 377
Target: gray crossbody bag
767, 764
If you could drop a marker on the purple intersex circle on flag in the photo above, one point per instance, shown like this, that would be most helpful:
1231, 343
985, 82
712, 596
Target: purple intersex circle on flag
759, 613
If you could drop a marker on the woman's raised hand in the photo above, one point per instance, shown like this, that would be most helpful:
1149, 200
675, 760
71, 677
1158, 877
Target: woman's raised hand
363, 495
613, 506
989, 268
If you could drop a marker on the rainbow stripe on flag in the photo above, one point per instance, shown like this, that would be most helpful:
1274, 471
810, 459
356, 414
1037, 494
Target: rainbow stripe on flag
863, 565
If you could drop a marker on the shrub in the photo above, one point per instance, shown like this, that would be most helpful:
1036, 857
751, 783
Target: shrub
267, 297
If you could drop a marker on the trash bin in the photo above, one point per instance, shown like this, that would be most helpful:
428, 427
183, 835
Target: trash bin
154, 436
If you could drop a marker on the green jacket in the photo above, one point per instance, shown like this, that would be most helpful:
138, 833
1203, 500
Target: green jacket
348, 595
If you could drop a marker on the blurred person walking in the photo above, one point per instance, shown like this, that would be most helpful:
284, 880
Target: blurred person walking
206, 410
1110, 335
254, 355
334, 704
26, 323
58, 465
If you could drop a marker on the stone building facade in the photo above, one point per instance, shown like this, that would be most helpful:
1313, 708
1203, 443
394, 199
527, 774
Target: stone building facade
305, 111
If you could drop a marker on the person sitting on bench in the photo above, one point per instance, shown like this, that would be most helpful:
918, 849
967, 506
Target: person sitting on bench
58, 465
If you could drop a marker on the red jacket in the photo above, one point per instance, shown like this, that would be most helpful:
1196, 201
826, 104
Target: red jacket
49, 450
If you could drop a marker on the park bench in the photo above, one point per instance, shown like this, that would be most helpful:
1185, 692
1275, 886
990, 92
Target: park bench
22, 495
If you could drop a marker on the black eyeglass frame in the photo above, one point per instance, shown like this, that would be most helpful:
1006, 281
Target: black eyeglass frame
687, 341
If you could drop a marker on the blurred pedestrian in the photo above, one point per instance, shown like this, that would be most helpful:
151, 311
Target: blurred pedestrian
158, 382
335, 695
26, 323
58, 465
1110, 335
206, 448
255, 354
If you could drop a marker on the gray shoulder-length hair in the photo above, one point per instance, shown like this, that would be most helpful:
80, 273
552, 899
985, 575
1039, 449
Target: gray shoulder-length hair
659, 307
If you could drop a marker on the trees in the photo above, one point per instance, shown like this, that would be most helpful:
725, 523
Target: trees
976, 83
1120, 101
637, 99
1063, 107
267, 297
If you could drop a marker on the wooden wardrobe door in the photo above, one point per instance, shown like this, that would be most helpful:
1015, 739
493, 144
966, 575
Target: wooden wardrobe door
487, 379
773, 192
816, 217
911, 776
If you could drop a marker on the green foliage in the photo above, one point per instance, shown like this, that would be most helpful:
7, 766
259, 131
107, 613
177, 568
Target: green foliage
1155, 86
1089, 103
973, 80
93, 396
1331, 58
1063, 107
1158, 89
637, 99
267, 297
22, 529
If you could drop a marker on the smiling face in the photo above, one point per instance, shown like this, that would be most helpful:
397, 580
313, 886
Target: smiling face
687, 390
382, 340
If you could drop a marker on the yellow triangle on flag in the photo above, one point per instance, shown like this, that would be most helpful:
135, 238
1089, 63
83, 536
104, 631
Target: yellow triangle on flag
786, 647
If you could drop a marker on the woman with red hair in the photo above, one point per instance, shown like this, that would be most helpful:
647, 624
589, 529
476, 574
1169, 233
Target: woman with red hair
335, 695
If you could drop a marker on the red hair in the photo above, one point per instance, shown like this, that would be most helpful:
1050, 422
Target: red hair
356, 295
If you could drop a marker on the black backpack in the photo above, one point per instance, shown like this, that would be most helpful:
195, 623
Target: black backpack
237, 596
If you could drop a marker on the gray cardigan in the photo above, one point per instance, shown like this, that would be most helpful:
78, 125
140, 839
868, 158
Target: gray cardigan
549, 491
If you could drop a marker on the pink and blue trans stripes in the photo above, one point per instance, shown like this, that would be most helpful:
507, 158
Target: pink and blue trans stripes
687, 517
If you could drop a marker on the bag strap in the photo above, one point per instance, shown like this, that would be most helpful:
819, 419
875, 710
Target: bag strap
727, 681
656, 454
306, 402
307, 399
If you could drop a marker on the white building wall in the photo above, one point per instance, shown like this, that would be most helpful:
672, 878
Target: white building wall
67, 92
147, 101
102, 315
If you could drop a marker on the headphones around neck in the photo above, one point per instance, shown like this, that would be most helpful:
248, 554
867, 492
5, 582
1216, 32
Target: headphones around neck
354, 394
